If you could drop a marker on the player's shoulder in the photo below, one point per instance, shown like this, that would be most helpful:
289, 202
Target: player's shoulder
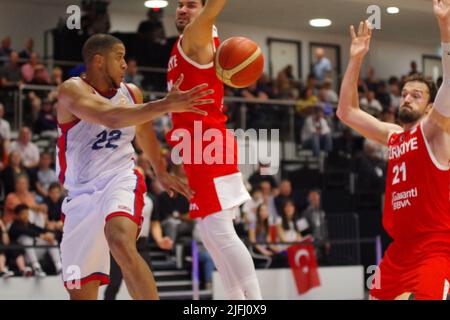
135, 91
74, 85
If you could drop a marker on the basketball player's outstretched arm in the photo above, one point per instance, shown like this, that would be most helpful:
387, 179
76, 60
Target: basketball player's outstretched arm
437, 126
198, 34
76, 98
348, 109
148, 142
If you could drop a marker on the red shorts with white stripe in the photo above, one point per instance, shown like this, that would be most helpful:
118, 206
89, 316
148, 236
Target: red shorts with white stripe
403, 270
84, 249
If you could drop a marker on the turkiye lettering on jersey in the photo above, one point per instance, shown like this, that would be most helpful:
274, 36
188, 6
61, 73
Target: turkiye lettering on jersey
417, 189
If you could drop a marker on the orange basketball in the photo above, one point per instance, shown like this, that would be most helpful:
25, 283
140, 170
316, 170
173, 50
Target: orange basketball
239, 62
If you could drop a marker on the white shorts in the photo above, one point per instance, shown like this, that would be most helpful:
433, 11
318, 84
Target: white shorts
84, 249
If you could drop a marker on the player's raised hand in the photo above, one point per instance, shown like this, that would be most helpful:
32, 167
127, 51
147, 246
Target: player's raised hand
361, 40
441, 10
173, 184
185, 101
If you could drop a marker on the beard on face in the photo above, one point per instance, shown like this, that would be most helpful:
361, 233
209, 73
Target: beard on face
408, 115
180, 27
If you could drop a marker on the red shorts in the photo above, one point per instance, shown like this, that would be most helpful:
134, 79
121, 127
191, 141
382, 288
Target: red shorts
402, 270
214, 193
211, 166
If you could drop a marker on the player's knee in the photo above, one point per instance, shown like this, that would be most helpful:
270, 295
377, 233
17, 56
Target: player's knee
122, 246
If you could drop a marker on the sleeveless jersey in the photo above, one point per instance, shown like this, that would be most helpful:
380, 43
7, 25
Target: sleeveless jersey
198, 125
417, 190
87, 152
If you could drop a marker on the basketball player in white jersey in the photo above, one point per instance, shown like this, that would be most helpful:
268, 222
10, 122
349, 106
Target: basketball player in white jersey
98, 117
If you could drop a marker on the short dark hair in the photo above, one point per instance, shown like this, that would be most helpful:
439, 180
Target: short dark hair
98, 44
19, 208
54, 185
431, 85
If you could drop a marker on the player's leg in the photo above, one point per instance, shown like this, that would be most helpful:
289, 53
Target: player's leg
230, 255
84, 250
88, 291
121, 236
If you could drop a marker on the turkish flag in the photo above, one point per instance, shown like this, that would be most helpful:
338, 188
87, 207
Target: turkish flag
303, 263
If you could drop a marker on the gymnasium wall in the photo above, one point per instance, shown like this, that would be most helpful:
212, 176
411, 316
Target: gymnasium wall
388, 58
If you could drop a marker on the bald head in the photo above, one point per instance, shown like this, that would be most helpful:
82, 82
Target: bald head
320, 53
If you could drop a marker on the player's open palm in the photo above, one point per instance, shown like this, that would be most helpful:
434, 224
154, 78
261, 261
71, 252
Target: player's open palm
442, 10
186, 101
361, 40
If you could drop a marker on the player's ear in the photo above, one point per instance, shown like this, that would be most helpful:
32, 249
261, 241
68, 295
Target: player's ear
98, 60
428, 108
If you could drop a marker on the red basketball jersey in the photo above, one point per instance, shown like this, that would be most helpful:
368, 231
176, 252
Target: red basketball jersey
417, 202
195, 74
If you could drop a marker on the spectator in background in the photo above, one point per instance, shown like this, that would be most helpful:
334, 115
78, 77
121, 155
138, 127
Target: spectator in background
395, 93
27, 50
306, 102
263, 233
288, 229
14, 169
22, 195
413, 70
35, 72
285, 194
46, 118
254, 91
284, 83
371, 167
40, 76
57, 76
10, 74
28, 151
316, 133
265, 84
53, 201
5, 48
371, 104
26, 233
5, 128
258, 176
173, 212
45, 174
13, 255
4, 157
322, 67
370, 81
328, 92
383, 96
132, 74
250, 206
316, 219
4, 241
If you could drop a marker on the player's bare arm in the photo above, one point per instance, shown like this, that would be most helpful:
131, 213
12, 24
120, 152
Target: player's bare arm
149, 144
349, 110
197, 36
76, 100
437, 125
